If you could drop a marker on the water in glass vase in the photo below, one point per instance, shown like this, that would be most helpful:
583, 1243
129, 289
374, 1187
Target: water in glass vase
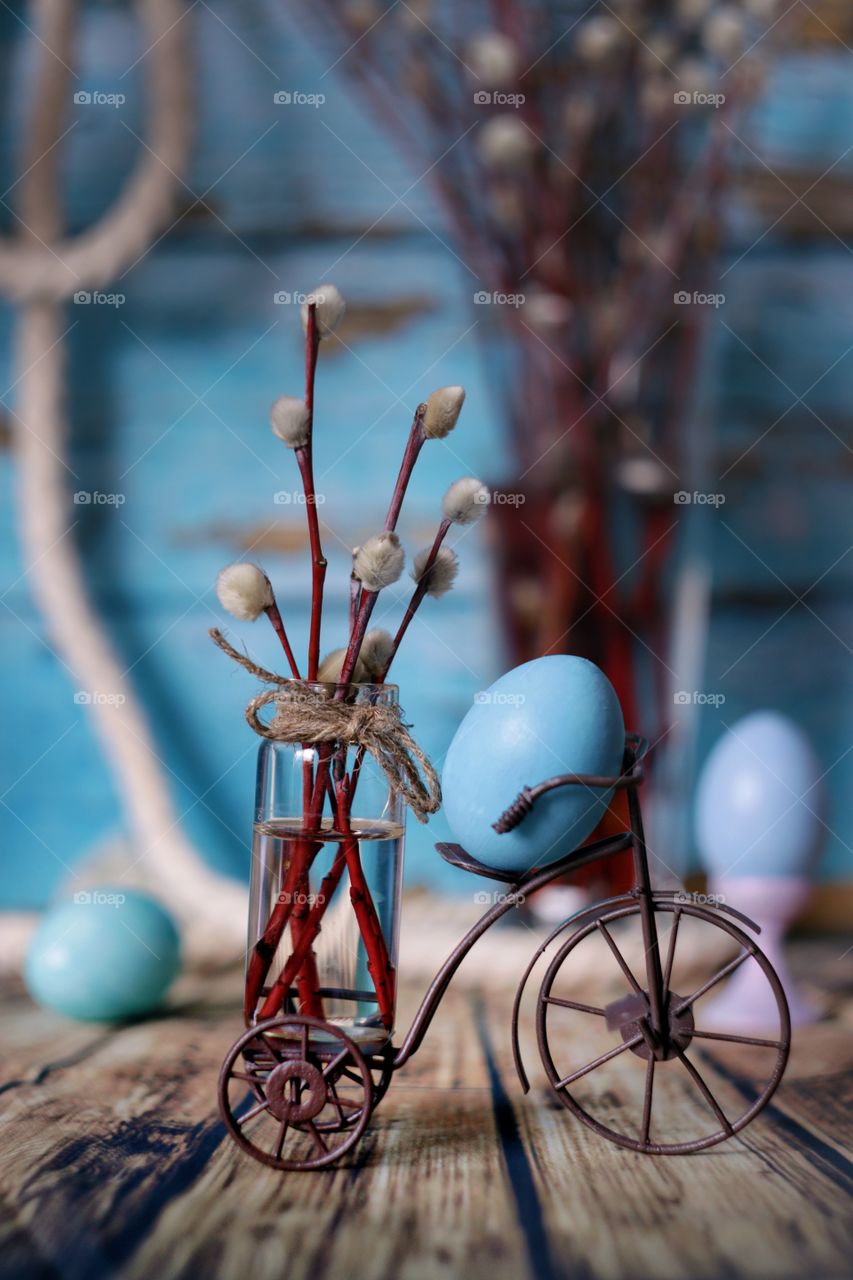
346, 987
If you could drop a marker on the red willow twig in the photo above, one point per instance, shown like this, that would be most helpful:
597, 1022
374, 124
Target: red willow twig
378, 564
272, 612
379, 963
295, 905
378, 960
411, 453
278, 991
367, 599
419, 592
305, 461
305, 852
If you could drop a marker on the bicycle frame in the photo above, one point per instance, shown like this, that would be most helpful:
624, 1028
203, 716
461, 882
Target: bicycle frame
521, 884
293, 1061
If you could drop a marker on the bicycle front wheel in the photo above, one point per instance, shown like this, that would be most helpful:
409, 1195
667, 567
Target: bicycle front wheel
670, 1091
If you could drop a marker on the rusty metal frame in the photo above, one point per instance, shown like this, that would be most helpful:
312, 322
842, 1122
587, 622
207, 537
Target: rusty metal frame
650, 1023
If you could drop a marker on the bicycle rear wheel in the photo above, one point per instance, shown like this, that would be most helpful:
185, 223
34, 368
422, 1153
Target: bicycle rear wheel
648, 1092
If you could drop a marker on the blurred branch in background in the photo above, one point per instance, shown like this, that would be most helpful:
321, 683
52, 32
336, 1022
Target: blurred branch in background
581, 153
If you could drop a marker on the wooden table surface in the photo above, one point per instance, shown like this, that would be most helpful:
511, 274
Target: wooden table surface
116, 1164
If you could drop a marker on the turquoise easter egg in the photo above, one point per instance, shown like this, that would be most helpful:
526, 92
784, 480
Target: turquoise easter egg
107, 955
759, 802
553, 715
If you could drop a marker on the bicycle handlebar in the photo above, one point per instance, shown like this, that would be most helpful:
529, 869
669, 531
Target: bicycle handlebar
632, 774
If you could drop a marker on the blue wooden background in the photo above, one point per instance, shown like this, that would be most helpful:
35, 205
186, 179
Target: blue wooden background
170, 393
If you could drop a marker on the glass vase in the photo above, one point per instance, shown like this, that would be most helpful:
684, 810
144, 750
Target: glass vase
318, 861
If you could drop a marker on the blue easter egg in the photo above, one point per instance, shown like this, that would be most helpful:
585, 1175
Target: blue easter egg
108, 954
758, 804
553, 715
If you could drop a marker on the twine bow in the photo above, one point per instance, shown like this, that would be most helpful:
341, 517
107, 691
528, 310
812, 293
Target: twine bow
303, 714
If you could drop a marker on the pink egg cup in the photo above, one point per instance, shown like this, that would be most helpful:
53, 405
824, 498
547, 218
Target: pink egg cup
773, 904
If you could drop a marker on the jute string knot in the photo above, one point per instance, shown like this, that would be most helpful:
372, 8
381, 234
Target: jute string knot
304, 713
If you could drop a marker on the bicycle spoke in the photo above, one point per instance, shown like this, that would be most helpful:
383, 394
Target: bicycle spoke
354, 1076
279, 1145
667, 976
303, 1041
734, 1039
705, 1091
252, 1112
274, 1053
605, 1057
336, 1062
647, 1100
348, 1103
575, 1004
248, 1077
315, 1133
620, 959
712, 982
334, 1100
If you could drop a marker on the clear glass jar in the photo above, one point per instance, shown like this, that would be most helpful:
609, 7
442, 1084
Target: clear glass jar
307, 857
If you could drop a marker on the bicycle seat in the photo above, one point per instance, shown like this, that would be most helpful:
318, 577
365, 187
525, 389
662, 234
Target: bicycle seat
459, 857
590, 852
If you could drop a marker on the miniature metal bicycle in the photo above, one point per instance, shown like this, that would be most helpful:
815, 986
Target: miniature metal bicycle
296, 1092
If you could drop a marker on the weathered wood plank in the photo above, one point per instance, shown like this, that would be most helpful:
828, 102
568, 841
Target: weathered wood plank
114, 1159
774, 1201
116, 1164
